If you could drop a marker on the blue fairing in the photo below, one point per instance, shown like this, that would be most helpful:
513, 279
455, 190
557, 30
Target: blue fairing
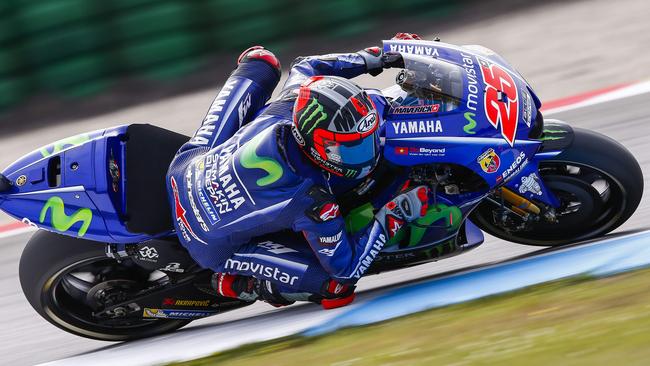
81, 200
481, 127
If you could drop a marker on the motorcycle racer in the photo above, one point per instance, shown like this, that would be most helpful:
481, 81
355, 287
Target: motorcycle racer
245, 175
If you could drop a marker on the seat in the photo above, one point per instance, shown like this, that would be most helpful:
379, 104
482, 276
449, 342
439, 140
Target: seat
149, 151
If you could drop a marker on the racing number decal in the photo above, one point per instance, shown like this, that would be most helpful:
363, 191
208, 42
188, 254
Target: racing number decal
501, 99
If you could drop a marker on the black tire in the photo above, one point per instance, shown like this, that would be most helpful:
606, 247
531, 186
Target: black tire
46, 259
592, 152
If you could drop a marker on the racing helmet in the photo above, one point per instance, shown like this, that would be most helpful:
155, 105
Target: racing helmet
336, 125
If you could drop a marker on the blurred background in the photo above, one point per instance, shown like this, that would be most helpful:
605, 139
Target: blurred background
70, 59
69, 66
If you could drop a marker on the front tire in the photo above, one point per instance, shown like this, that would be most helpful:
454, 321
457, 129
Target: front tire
596, 174
48, 266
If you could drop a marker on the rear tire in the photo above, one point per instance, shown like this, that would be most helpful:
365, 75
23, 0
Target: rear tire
46, 260
597, 157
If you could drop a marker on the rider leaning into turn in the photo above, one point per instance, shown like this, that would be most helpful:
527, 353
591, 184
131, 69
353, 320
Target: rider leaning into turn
246, 174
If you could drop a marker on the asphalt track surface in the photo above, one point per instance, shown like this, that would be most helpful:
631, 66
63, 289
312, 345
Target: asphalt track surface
27, 339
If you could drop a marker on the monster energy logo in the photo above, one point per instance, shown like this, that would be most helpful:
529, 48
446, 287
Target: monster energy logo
350, 173
58, 146
250, 160
313, 114
62, 222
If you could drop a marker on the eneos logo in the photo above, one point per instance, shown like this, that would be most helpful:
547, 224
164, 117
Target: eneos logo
501, 99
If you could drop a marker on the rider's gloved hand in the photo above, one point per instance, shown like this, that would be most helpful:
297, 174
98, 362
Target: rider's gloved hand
261, 54
409, 205
407, 36
392, 59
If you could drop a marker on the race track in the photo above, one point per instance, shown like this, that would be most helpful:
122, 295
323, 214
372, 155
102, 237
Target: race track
26, 339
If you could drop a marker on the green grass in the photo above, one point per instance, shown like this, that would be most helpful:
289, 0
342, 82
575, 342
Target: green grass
574, 322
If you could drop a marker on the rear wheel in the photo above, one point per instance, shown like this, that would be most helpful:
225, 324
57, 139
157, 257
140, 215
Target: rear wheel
599, 184
65, 279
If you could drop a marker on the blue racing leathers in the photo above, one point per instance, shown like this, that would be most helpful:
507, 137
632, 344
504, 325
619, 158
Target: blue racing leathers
241, 189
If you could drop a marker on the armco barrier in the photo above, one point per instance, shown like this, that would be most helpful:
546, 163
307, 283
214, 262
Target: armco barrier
41, 42
600, 258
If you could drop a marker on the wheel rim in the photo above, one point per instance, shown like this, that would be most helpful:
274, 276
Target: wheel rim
592, 202
67, 296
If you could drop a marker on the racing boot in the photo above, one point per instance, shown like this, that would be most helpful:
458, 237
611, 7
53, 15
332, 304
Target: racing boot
248, 289
334, 295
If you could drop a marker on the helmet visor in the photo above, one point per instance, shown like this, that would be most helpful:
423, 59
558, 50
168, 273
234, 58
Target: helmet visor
359, 152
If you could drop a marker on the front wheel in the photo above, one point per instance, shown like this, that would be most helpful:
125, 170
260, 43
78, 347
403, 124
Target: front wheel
57, 274
599, 184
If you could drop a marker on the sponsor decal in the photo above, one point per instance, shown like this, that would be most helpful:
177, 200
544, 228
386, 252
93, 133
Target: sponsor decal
329, 251
176, 302
175, 314
530, 183
489, 161
60, 145
501, 99
427, 151
370, 257
402, 150
243, 108
148, 254
368, 123
261, 270
250, 160
275, 248
471, 123
430, 108
173, 267
20, 181
520, 162
209, 210
425, 126
312, 114
179, 212
297, 135
190, 198
394, 225
222, 190
60, 221
415, 49
329, 211
528, 108
472, 82
203, 135
331, 240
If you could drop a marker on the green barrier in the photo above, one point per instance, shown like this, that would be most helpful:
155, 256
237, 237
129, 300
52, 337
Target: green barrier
69, 73
77, 47
12, 91
9, 61
173, 69
165, 48
39, 16
153, 19
65, 42
259, 31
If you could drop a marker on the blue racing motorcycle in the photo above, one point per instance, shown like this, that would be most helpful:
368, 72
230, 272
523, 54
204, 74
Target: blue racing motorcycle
105, 263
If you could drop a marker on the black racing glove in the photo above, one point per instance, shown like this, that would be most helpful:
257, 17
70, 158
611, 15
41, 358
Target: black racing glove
392, 59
